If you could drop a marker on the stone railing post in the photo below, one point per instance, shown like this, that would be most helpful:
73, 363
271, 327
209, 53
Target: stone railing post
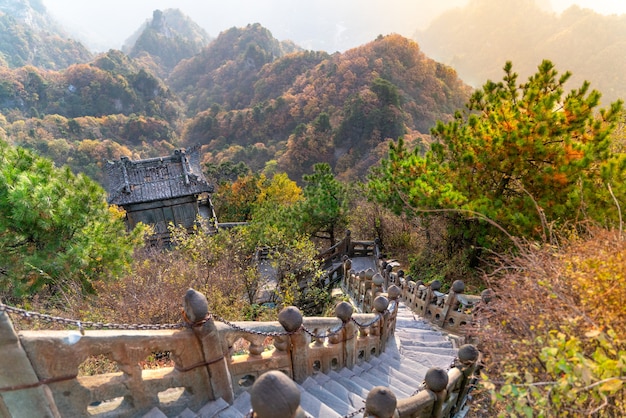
290, 318
196, 308
393, 293
347, 266
344, 311
436, 381
451, 303
21, 395
348, 244
273, 395
380, 403
467, 362
380, 307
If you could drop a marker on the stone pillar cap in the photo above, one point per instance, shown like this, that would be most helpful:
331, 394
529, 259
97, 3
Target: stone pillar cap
381, 402
274, 395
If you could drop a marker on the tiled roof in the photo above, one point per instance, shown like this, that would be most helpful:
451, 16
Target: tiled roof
156, 178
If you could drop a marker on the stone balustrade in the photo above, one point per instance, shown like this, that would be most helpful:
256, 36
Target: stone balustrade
206, 362
211, 358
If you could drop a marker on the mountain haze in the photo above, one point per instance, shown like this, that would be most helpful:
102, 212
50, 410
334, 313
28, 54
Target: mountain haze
166, 39
29, 36
478, 39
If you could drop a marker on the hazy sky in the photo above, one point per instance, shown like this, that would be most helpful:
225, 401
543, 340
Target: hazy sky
328, 25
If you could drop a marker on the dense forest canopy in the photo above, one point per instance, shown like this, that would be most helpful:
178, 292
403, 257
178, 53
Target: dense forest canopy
246, 97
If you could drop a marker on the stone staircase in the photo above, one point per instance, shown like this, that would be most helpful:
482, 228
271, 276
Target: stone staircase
402, 367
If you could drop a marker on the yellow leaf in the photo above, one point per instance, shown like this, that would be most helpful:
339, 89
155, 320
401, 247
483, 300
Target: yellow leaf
612, 385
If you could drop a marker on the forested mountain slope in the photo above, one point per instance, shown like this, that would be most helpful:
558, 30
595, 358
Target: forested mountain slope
309, 107
28, 36
165, 40
246, 97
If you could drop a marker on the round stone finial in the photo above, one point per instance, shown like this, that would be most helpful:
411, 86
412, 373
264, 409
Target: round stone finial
378, 279
380, 303
436, 379
290, 318
487, 295
458, 286
343, 311
369, 273
394, 292
468, 353
381, 402
274, 394
435, 285
195, 306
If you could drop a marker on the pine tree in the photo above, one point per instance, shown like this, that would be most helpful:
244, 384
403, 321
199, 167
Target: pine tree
529, 157
56, 228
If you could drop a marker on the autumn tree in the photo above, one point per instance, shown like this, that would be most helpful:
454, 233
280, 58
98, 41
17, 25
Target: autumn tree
527, 156
56, 228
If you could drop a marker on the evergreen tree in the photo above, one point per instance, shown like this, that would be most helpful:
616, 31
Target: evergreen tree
526, 156
324, 209
55, 227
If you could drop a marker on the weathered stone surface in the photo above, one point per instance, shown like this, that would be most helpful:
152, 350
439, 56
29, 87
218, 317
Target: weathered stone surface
16, 371
381, 402
343, 311
458, 286
195, 306
468, 353
381, 303
290, 318
274, 395
436, 379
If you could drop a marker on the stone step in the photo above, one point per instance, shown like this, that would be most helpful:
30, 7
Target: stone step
419, 334
315, 408
399, 387
407, 376
417, 346
350, 384
242, 403
367, 377
406, 364
339, 405
427, 345
211, 409
230, 412
428, 359
188, 413
355, 400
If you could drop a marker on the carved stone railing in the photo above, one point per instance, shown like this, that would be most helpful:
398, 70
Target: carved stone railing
211, 358
451, 312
